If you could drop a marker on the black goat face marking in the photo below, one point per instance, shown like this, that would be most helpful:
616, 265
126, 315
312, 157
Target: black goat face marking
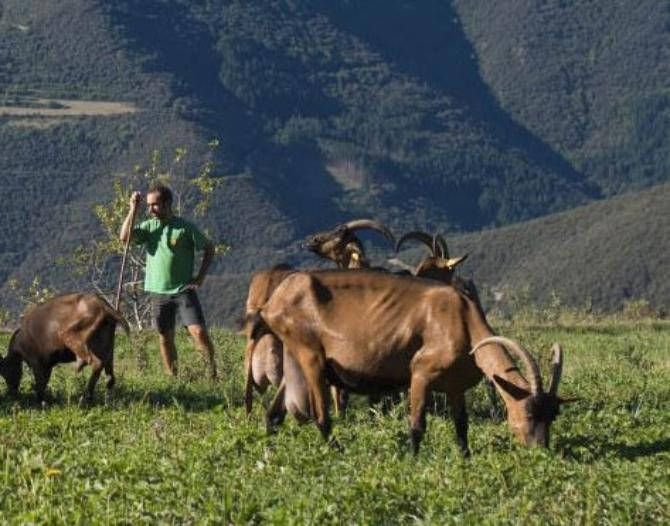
545, 407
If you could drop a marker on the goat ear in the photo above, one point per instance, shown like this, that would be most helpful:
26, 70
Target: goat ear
514, 391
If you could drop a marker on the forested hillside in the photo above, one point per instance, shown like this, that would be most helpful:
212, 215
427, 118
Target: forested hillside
600, 255
587, 77
451, 116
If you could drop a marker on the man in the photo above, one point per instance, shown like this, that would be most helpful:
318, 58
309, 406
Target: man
170, 243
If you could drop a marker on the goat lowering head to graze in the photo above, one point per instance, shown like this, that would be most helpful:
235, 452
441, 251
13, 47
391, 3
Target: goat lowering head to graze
533, 410
341, 245
375, 332
66, 328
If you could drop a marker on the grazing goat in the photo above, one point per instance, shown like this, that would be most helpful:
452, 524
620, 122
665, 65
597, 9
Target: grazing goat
373, 332
71, 327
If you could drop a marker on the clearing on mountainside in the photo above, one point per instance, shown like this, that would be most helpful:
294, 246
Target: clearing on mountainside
67, 108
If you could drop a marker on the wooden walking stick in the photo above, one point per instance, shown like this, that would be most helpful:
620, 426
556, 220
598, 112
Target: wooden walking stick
126, 246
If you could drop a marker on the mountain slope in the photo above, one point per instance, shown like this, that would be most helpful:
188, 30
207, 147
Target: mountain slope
324, 111
603, 253
589, 78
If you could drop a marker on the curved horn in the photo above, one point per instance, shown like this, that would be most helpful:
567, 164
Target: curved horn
357, 224
529, 363
556, 369
417, 236
439, 242
400, 263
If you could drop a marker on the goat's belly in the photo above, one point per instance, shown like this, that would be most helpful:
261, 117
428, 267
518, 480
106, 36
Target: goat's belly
380, 378
463, 374
61, 356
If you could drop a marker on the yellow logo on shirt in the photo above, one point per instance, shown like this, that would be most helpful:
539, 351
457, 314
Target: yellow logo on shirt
174, 240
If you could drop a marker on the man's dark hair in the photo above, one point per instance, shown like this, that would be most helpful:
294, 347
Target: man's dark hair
164, 193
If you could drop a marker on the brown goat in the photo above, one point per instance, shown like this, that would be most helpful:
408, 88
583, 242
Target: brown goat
373, 332
71, 327
438, 265
265, 361
341, 246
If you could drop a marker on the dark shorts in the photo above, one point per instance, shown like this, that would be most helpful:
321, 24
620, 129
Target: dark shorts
165, 307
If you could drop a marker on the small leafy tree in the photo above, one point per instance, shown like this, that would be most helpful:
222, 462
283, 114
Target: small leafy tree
25, 296
97, 260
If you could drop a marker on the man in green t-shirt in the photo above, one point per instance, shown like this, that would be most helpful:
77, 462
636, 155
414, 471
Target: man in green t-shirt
170, 243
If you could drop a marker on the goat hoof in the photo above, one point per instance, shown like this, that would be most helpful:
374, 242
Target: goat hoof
272, 425
335, 445
270, 429
415, 441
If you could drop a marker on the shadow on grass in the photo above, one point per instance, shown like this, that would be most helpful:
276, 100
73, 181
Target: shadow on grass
185, 396
591, 449
181, 395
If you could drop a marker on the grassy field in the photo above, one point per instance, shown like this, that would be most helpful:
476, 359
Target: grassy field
183, 452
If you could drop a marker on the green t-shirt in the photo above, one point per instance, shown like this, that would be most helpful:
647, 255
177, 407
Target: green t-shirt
170, 249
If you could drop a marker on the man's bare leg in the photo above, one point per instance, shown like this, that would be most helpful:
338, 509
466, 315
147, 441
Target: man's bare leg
168, 352
204, 344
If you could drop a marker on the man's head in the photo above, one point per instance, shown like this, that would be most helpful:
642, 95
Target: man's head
159, 202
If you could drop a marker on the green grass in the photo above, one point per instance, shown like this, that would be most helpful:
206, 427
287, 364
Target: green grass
182, 451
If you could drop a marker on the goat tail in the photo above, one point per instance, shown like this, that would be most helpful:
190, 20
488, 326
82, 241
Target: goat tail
248, 377
256, 327
120, 318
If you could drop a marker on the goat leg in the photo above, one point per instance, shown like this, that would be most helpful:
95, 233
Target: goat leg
313, 365
460, 418
42, 373
87, 396
12, 370
111, 378
418, 392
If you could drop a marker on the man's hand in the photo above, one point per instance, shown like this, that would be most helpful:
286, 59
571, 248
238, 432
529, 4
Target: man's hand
196, 283
127, 226
135, 200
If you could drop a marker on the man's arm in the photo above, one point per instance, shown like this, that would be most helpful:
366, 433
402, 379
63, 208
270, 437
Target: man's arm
127, 226
208, 255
